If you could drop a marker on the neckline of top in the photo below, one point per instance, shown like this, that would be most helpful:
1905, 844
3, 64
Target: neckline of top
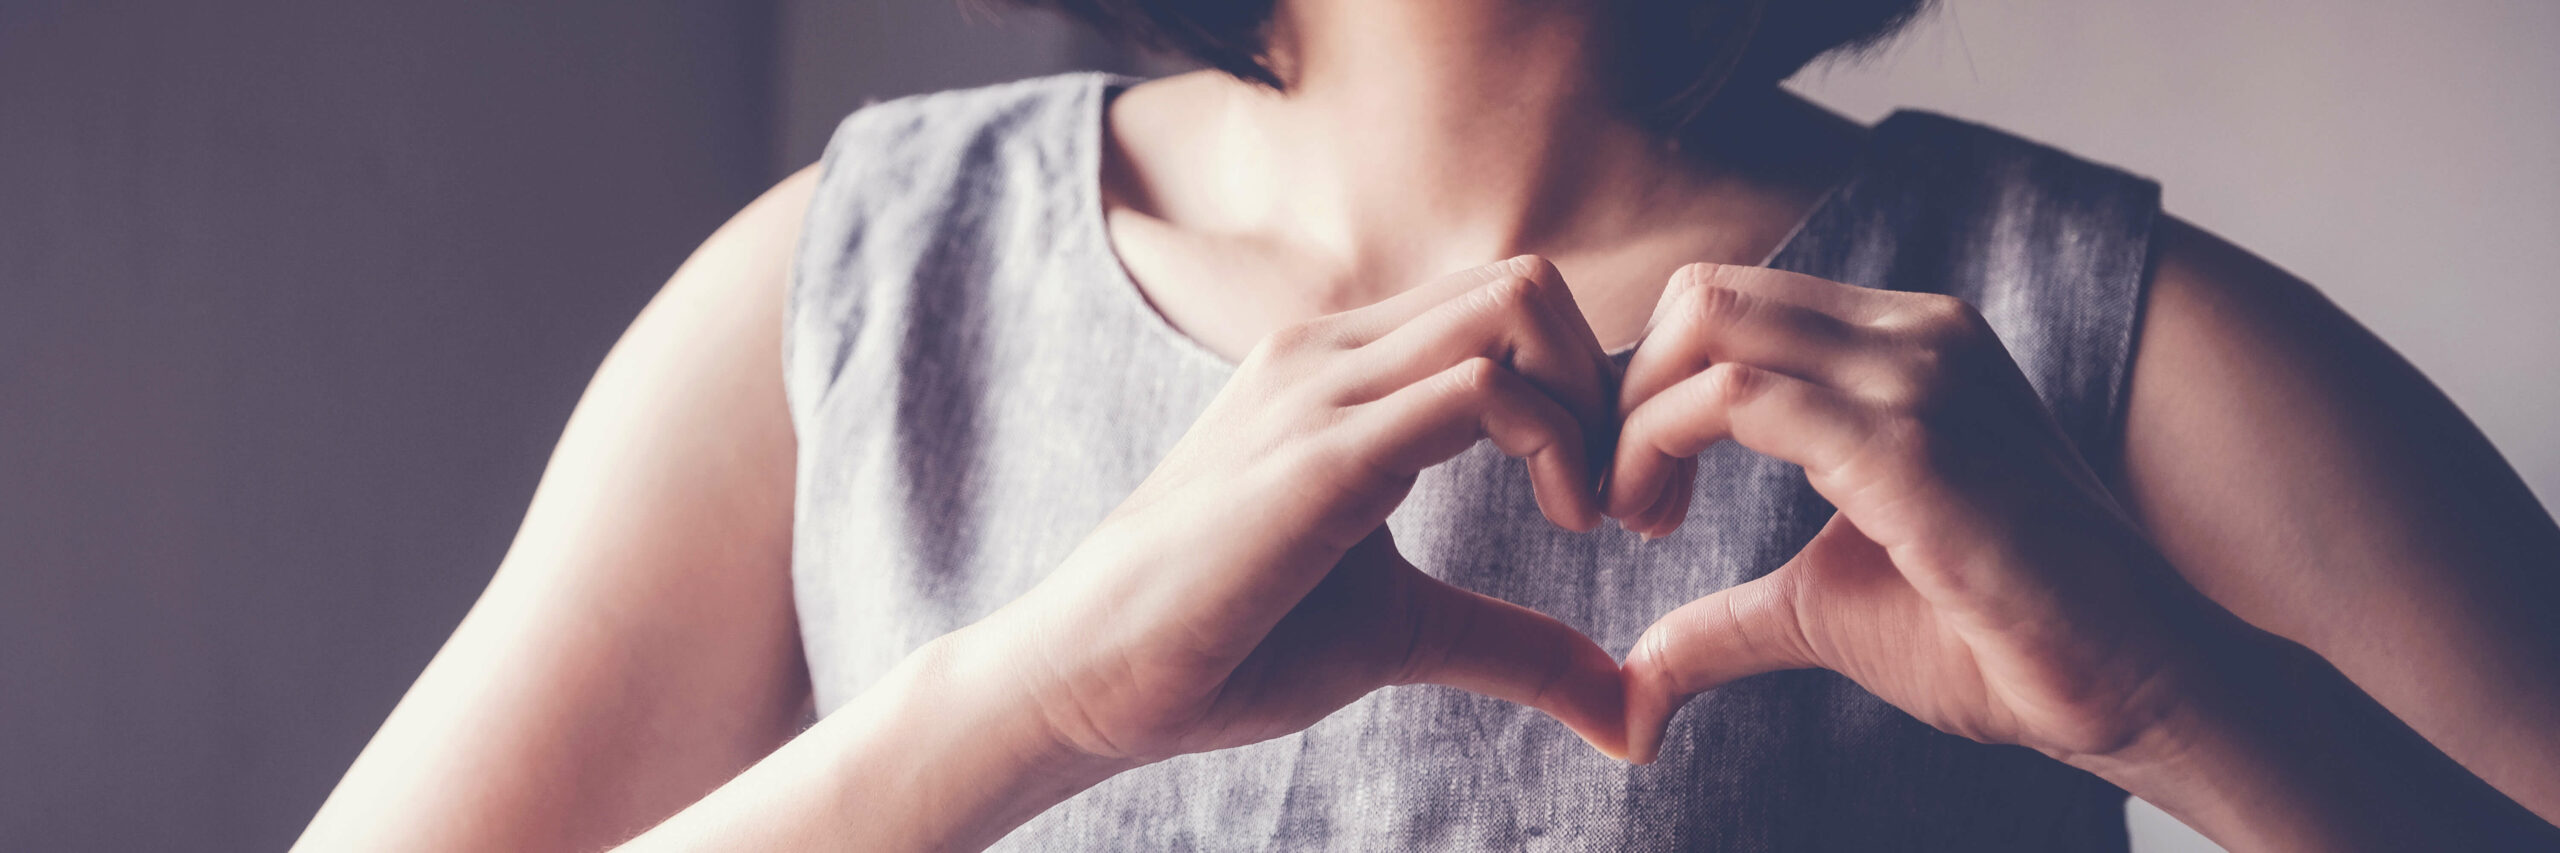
1093, 227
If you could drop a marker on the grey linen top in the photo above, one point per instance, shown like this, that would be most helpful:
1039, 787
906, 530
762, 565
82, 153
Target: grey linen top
976, 382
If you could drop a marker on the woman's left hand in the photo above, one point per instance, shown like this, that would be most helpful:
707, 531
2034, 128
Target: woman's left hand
1978, 575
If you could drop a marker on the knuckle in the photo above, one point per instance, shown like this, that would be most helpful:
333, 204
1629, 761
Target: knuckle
1654, 651
1312, 334
1939, 306
1944, 321
1747, 613
1891, 392
1732, 383
1264, 351
1534, 266
1916, 379
1550, 430
1425, 626
1892, 446
1474, 378
1513, 297
1695, 275
1640, 428
1715, 304
1302, 336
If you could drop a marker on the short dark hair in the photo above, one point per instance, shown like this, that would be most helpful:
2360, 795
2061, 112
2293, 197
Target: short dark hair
1679, 53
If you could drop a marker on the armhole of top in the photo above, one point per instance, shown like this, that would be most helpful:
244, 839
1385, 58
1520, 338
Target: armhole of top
818, 271
2110, 220
2119, 399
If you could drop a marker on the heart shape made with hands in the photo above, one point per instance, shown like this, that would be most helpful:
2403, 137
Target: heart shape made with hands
1248, 587
1951, 481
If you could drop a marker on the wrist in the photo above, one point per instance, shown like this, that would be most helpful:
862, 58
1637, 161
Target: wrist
947, 741
2246, 753
2180, 743
2201, 756
968, 693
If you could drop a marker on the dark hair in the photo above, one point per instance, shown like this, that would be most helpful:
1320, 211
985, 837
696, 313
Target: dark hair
1677, 53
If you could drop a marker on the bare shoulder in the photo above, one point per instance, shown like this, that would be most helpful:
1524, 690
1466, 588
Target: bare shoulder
2305, 476
2209, 297
645, 605
702, 367
2237, 354
753, 250
2250, 385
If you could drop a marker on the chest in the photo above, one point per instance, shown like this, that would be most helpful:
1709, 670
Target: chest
1228, 293
941, 484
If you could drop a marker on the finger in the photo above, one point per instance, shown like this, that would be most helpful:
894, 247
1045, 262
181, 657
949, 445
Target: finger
1427, 422
1492, 647
1849, 302
1359, 326
1367, 323
1661, 517
1678, 491
1527, 322
1875, 464
1781, 416
1776, 320
1742, 631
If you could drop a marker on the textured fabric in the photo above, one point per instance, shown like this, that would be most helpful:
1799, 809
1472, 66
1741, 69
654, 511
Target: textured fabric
976, 383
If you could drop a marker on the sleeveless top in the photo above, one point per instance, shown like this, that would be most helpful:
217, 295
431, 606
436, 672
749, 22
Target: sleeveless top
976, 382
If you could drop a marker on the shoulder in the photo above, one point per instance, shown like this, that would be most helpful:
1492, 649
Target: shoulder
1919, 151
753, 248
739, 274
1939, 203
2305, 476
918, 165
2027, 211
2026, 222
2259, 408
2236, 352
2205, 287
976, 105
898, 172
923, 202
2052, 248
954, 135
2221, 324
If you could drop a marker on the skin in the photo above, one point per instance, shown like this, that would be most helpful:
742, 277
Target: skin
2297, 607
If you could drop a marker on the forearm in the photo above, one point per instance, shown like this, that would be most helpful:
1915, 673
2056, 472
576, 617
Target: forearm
2275, 750
930, 758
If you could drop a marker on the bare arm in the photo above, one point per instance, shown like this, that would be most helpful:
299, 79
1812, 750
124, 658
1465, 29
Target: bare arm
637, 646
637, 649
2305, 477
1980, 576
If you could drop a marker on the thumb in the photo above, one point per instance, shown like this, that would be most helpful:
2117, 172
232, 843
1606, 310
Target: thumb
1745, 630
1499, 649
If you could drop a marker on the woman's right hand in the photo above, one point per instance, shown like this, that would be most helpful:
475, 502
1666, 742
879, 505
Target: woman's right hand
1249, 587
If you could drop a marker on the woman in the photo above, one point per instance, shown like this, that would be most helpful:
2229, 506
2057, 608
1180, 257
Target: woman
1094, 460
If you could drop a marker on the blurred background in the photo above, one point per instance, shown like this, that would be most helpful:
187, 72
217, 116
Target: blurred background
295, 296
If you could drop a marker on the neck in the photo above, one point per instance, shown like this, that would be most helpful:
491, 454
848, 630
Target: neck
1425, 135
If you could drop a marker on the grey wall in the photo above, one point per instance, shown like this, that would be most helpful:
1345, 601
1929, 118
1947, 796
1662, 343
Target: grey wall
294, 296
